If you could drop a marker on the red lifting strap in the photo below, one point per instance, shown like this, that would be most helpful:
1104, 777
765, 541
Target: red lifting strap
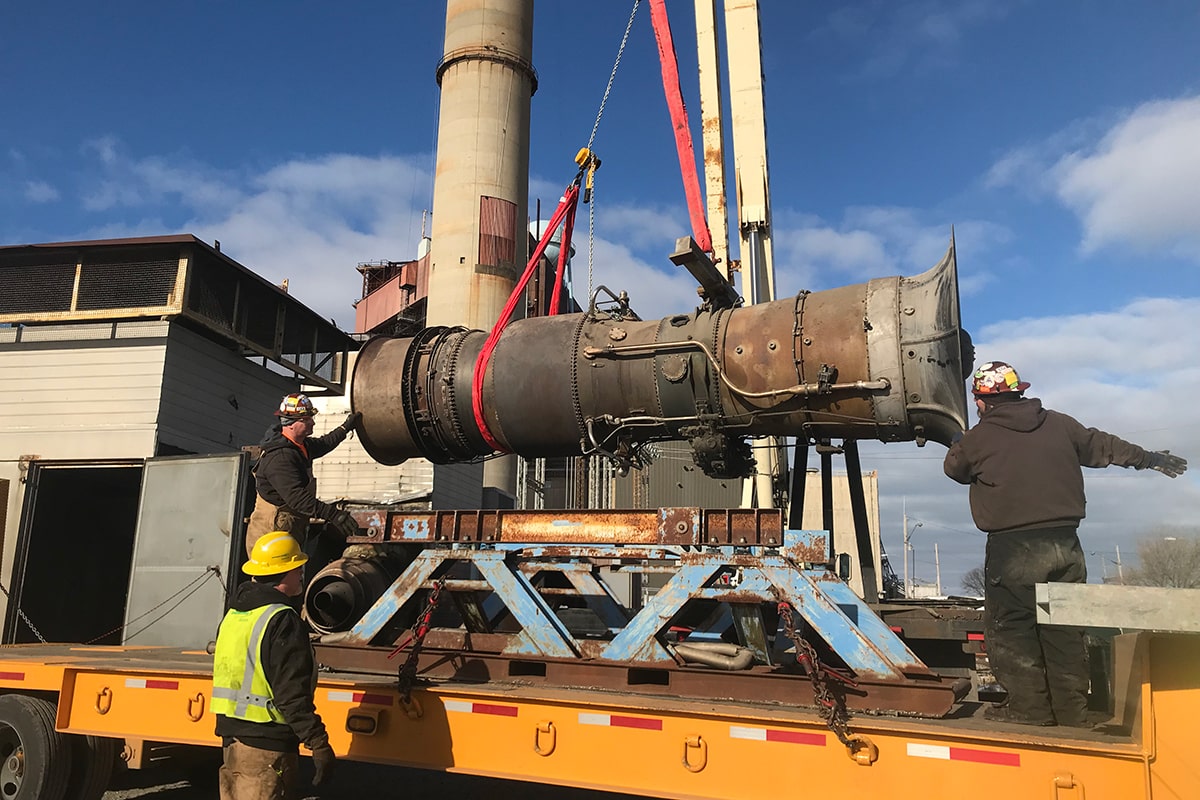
679, 121
565, 214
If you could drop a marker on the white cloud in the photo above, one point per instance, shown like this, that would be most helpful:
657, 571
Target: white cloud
308, 220
1132, 179
1140, 184
313, 220
653, 229
653, 292
1029, 167
122, 181
874, 241
105, 147
40, 192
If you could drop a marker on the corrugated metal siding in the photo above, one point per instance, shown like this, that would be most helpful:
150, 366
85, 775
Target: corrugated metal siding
673, 479
349, 473
213, 400
75, 392
88, 396
458, 486
497, 231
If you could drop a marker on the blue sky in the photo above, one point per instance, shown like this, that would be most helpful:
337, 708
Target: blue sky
1061, 140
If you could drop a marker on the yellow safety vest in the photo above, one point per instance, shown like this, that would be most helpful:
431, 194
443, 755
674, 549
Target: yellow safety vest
240, 687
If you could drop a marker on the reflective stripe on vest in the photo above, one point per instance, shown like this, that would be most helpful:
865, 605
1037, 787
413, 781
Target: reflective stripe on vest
240, 687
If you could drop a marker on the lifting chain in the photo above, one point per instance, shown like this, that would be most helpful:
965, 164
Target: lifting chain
612, 77
416, 638
831, 704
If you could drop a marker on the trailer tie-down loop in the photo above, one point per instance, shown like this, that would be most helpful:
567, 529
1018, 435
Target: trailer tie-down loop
862, 750
564, 215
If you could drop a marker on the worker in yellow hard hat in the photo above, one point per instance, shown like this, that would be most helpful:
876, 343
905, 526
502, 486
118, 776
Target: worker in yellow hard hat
264, 678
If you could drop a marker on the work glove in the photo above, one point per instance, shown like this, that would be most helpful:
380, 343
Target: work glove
343, 523
323, 763
1167, 464
352, 420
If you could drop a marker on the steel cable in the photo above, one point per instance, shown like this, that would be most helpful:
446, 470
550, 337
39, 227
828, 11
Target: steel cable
612, 77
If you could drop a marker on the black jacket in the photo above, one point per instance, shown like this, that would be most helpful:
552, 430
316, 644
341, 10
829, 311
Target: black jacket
284, 475
1023, 463
288, 663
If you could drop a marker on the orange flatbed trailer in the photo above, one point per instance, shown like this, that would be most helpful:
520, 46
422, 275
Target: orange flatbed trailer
648, 745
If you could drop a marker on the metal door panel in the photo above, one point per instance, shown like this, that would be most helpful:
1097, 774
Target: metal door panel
191, 511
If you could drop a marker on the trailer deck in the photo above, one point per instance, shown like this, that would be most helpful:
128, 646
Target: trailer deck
653, 745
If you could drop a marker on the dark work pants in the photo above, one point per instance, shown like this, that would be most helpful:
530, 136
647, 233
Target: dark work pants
1043, 667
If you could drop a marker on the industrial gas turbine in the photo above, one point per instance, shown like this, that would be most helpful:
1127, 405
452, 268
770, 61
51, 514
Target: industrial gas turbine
880, 360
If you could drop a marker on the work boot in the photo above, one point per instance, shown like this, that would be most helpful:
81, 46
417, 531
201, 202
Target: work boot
1006, 714
1091, 719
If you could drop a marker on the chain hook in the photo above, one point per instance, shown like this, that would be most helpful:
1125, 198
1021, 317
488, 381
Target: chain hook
417, 634
831, 705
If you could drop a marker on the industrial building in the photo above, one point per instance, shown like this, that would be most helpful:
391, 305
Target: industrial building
116, 353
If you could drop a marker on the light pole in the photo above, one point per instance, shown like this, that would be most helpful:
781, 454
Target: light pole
907, 548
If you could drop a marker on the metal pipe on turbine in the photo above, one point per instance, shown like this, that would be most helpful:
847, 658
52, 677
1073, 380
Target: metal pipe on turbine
881, 360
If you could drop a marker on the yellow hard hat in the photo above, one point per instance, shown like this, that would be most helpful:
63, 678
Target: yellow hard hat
274, 553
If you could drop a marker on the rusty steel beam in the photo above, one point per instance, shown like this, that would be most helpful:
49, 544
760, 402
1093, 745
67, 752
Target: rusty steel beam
461, 656
663, 526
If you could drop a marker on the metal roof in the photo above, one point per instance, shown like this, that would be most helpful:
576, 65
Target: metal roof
175, 276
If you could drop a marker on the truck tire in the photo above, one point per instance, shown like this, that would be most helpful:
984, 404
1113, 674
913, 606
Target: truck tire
93, 759
35, 760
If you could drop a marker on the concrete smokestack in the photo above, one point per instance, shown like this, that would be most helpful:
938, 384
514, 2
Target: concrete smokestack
481, 186
481, 189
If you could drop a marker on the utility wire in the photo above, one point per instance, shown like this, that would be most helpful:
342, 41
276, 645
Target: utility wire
612, 77
195, 585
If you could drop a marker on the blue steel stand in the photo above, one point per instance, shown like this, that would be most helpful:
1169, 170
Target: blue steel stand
742, 578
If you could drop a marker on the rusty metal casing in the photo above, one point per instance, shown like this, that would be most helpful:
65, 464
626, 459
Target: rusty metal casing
880, 360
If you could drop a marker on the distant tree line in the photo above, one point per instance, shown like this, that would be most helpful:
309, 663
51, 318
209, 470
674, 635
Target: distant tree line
1169, 557
973, 582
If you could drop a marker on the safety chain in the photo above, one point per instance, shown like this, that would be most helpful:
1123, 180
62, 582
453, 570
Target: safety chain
417, 634
831, 705
25, 619
194, 586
